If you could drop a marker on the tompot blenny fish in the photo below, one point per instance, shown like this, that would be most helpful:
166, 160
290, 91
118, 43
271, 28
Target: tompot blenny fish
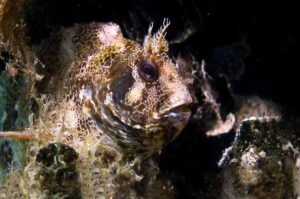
101, 106
98, 82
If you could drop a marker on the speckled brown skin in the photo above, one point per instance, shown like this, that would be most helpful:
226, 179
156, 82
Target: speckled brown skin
93, 85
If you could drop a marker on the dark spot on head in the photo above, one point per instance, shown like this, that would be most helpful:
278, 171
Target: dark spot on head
171, 78
148, 70
121, 85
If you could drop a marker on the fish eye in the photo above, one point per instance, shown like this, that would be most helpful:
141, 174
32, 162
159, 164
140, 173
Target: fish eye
148, 70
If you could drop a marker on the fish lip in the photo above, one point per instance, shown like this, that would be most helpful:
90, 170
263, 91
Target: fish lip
183, 110
179, 111
182, 105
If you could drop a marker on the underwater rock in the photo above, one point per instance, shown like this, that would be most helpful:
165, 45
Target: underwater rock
12, 116
263, 160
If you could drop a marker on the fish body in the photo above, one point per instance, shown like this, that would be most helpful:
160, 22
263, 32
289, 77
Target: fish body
99, 83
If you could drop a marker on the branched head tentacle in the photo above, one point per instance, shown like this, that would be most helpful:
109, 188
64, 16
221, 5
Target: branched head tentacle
156, 43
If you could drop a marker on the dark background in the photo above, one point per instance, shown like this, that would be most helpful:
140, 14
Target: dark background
255, 45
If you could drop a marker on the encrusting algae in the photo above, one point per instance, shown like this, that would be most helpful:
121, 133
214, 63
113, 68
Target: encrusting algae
97, 107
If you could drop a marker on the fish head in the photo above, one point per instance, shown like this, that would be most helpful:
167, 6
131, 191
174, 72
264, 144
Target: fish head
144, 104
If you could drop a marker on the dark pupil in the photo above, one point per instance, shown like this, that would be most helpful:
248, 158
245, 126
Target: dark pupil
147, 70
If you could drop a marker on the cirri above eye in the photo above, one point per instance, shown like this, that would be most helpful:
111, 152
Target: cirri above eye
147, 69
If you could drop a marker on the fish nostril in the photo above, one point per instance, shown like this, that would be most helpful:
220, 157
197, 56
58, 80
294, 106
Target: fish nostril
171, 79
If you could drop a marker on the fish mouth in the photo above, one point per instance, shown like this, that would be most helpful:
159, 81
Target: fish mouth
175, 117
173, 121
178, 112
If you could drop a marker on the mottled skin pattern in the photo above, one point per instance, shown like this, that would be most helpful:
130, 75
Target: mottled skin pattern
97, 82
